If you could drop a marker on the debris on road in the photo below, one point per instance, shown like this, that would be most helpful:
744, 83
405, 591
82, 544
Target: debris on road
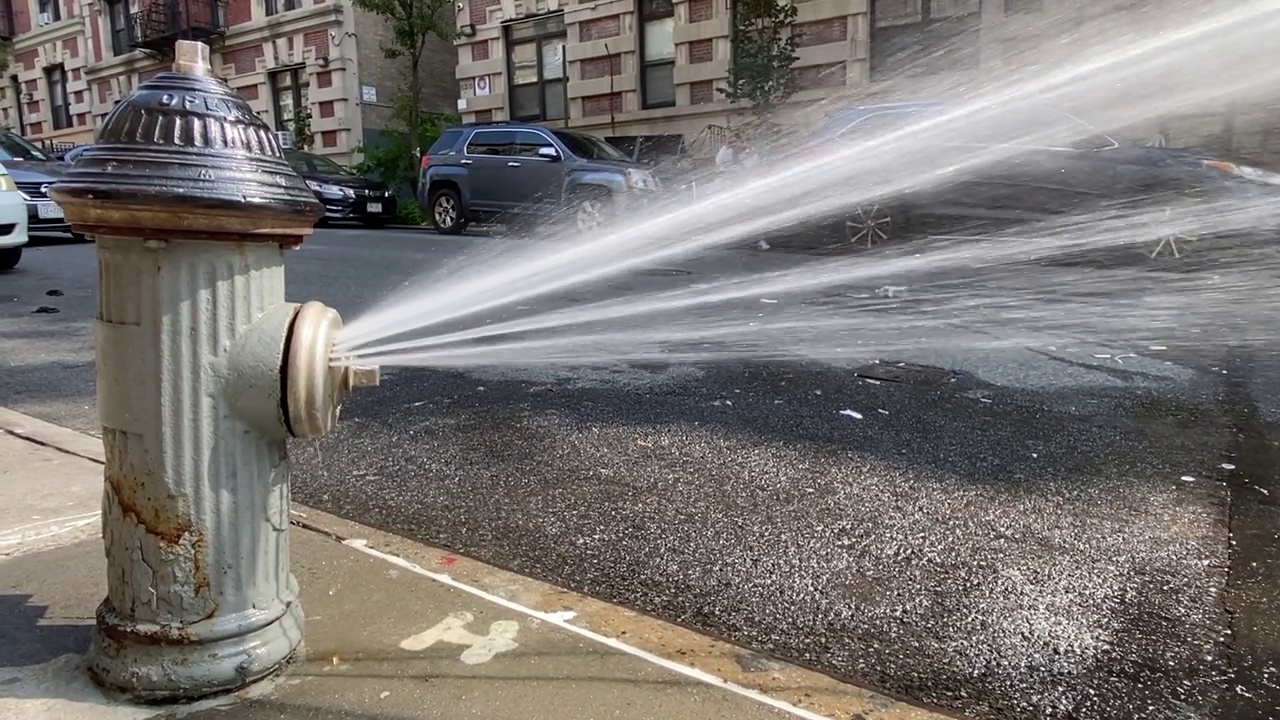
852, 413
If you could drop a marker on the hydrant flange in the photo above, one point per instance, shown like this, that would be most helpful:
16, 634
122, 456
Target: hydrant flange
314, 388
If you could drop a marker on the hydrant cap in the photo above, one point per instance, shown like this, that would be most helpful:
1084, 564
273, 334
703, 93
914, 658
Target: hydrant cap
185, 151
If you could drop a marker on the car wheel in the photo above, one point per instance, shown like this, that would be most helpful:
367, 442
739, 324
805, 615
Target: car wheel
1172, 244
10, 257
590, 210
871, 226
446, 212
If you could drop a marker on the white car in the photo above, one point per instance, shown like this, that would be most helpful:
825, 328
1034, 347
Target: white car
13, 222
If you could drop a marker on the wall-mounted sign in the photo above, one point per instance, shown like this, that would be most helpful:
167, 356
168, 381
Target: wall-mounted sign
368, 93
482, 85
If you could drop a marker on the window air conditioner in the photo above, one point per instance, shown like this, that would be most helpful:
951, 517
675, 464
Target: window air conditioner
286, 140
45, 18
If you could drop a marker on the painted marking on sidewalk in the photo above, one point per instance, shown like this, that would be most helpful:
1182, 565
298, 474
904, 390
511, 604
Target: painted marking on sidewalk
561, 620
453, 630
24, 534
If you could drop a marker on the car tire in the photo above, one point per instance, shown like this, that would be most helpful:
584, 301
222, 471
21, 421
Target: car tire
590, 209
870, 226
10, 257
447, 214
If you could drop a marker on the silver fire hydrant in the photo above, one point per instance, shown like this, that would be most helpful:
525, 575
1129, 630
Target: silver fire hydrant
204, 372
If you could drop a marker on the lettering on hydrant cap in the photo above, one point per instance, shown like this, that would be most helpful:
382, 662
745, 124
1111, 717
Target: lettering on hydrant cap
453, 630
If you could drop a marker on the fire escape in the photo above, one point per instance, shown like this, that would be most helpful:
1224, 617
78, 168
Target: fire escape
159, 24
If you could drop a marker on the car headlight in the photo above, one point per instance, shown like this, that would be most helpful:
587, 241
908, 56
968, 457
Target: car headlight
7, 184
641, 180
1244, 171
327, 189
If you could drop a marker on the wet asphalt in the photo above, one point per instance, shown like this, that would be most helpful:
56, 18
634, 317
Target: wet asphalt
1030, 533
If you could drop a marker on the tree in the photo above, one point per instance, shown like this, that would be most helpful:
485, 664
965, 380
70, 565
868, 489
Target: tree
763, 53
300, 125
414, 23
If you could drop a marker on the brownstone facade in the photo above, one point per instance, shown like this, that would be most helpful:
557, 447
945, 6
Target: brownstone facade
70, 65
601, 62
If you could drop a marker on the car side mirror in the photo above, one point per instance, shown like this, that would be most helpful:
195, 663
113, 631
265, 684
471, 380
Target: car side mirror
549, 153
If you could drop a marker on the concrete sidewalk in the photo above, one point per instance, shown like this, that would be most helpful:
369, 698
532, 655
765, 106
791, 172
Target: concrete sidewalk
394, 629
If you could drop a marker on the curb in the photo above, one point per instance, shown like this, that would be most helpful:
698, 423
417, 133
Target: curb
808, 690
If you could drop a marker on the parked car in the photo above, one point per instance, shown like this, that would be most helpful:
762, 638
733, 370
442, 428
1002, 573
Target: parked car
13, 222
1086, 169
74, 153
344, 194
34, 171
479, 171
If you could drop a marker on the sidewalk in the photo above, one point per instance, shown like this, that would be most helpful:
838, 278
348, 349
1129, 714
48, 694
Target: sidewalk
395, 630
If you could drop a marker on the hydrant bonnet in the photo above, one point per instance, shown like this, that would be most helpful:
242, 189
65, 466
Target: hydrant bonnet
186, 137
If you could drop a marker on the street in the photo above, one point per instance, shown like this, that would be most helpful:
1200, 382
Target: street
1024, 533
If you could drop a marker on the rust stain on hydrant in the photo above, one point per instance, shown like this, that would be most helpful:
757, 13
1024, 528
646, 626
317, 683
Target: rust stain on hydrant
160, 519
171, 586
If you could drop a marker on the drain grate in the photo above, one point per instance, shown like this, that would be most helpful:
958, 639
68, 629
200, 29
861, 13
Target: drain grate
905, 373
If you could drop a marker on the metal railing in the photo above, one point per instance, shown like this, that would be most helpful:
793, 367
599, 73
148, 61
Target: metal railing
159, 24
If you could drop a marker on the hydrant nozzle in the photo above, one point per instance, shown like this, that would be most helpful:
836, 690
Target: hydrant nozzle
314, 387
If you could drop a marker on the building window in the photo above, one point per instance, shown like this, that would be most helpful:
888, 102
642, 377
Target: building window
657, 43
275, 7
924, 37
535, 65
59, 104
118, 23
49, 10
288, 93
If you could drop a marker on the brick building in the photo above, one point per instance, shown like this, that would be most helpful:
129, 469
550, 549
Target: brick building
647, 67
70, 61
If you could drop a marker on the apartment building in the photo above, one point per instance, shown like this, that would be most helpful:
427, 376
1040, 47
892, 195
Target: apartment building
650, 67
70, 61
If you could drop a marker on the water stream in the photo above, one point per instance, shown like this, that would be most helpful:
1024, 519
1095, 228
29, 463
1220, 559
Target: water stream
1012, 287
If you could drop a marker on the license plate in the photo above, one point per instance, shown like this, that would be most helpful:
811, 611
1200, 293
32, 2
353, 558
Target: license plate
49, 211
375, 207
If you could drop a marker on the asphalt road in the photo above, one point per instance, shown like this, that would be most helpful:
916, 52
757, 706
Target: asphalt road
1045, 532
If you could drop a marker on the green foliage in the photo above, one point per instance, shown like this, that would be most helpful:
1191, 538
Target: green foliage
393, 159
413, 24
763, 54
300, 125
408, 213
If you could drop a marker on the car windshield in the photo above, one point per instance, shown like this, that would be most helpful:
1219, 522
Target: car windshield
308, 164
16, 147
589, 147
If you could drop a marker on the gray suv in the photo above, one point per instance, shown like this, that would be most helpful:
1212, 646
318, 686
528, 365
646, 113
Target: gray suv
480, 171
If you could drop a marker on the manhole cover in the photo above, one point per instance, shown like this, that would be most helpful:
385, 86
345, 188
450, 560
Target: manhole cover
906, 373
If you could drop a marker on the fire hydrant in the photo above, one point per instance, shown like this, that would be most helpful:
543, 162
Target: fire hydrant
204, 372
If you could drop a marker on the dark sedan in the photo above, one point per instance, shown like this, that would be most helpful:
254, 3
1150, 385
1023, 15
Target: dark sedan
345, 195
34, 172
1083, 170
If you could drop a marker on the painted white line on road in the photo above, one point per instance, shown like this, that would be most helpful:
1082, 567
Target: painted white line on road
561, 621
453, 630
